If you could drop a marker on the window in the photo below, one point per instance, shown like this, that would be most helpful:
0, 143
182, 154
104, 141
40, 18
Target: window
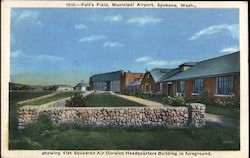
224, 85
130, 81
160, 87
180, 87
147, 75
147, 87
197, 85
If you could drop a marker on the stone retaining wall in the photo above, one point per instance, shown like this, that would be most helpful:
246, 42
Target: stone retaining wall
193, 115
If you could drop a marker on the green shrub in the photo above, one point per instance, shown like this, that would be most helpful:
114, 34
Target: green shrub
204, 97
142, 95
177, 101
77, 100
38, 128
231, 102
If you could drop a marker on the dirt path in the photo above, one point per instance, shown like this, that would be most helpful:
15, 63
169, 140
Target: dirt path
141, 101
35, 99
228, 122
61, 103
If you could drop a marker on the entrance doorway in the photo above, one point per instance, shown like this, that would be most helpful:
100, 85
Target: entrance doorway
107, 88
148, 87
170, 92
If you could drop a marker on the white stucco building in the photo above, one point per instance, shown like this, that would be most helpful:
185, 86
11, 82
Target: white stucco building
81, 87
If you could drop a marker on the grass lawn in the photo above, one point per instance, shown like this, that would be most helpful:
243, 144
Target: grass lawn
108, 100
58, 96
20, 96
15, 97
212, 109
223, 111
43, 135
158, 99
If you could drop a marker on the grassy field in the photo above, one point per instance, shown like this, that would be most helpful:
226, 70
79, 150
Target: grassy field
223, 111
109, 100
44, 135
20, 96
15, 97
158, 99
58, 96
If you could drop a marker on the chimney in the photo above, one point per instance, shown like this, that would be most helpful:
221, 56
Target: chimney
186, 66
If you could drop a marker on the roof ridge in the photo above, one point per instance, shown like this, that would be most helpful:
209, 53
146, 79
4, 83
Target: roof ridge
164, 76
108, 72
195, 70
218, 57
135, 72
159, 68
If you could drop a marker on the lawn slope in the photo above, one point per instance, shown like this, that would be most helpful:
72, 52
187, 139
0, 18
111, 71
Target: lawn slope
109, 100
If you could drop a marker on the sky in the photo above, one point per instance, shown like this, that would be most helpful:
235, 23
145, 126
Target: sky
65, 46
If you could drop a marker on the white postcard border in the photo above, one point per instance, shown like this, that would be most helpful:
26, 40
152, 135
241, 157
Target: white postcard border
5, 68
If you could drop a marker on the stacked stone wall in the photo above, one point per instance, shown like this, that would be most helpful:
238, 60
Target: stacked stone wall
193, 115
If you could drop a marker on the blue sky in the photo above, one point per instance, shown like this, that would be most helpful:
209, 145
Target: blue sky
65, 46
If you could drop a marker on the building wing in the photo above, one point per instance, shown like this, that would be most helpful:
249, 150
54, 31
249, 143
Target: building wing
81, 84
226, 64
107, 76
135, 83
158, 73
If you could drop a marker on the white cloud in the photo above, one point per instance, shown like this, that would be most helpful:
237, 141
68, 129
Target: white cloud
164, 63
157, 63
149, 61
80, 27
115, 18
93, 38
144, 59
27, 14
113, 44
229, 50
232, 29
19, 54
144, 20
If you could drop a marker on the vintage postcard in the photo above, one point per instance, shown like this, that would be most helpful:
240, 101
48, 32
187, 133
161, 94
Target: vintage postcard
124, 79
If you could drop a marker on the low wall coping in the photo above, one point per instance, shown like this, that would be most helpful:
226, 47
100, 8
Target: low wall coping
131, 107
183, 116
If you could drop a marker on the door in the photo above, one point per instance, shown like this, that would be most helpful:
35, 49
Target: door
107, 86
170, 93
148, 87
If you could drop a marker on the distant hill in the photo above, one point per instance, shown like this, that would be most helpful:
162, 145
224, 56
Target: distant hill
18, 86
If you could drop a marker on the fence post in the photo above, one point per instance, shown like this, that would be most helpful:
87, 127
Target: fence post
196, 114
26, 115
